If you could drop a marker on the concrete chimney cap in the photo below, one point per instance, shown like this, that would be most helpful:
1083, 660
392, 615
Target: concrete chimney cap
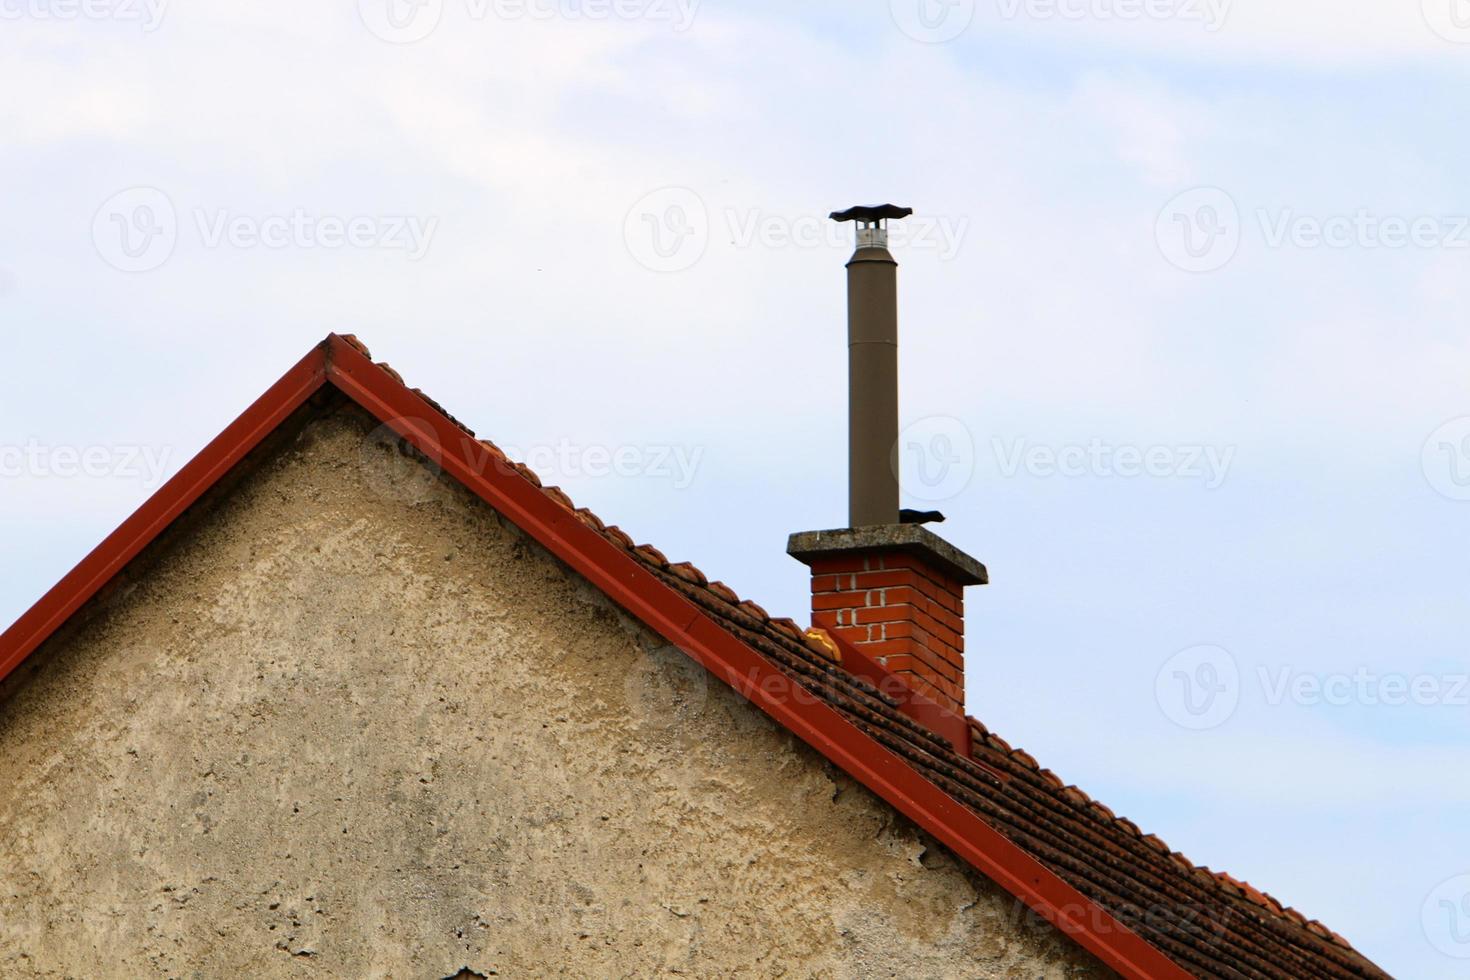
869, 214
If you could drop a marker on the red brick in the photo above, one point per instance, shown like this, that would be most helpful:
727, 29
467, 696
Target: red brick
833, 619
829, 583
882, 580
838, 600
840, 564
884, 614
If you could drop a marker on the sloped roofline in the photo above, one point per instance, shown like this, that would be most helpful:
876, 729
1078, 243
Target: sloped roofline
337, 362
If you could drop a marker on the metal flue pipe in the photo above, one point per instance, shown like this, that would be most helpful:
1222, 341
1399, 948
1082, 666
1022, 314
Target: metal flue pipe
872, 369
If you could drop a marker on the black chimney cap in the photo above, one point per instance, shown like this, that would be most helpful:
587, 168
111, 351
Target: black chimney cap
880, 212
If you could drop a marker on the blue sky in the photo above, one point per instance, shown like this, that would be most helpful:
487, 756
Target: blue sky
1070, 166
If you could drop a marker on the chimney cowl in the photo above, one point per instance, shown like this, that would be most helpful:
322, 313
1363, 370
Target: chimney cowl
872, 222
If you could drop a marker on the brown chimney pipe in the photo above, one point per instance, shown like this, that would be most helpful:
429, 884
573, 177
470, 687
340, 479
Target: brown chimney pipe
872, 369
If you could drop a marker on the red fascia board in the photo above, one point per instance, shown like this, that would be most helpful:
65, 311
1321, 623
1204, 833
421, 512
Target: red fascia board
634, 588
162, 509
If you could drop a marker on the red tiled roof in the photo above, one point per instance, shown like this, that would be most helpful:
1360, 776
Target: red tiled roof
1145, 910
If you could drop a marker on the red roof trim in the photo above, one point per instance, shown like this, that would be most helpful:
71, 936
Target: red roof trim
630, 585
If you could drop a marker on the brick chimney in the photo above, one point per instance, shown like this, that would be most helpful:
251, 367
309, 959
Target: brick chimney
886, 584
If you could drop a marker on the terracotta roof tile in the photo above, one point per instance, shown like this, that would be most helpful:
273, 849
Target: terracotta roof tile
789, 627
689, 573
1025, 758
528, 473
591, 520
620, 537
751, 609
1052, 779
651, 554
725, 592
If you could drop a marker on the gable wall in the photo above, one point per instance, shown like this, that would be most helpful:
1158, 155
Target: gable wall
351, 724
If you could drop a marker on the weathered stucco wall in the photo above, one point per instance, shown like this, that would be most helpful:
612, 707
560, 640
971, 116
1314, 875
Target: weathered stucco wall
352, 725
